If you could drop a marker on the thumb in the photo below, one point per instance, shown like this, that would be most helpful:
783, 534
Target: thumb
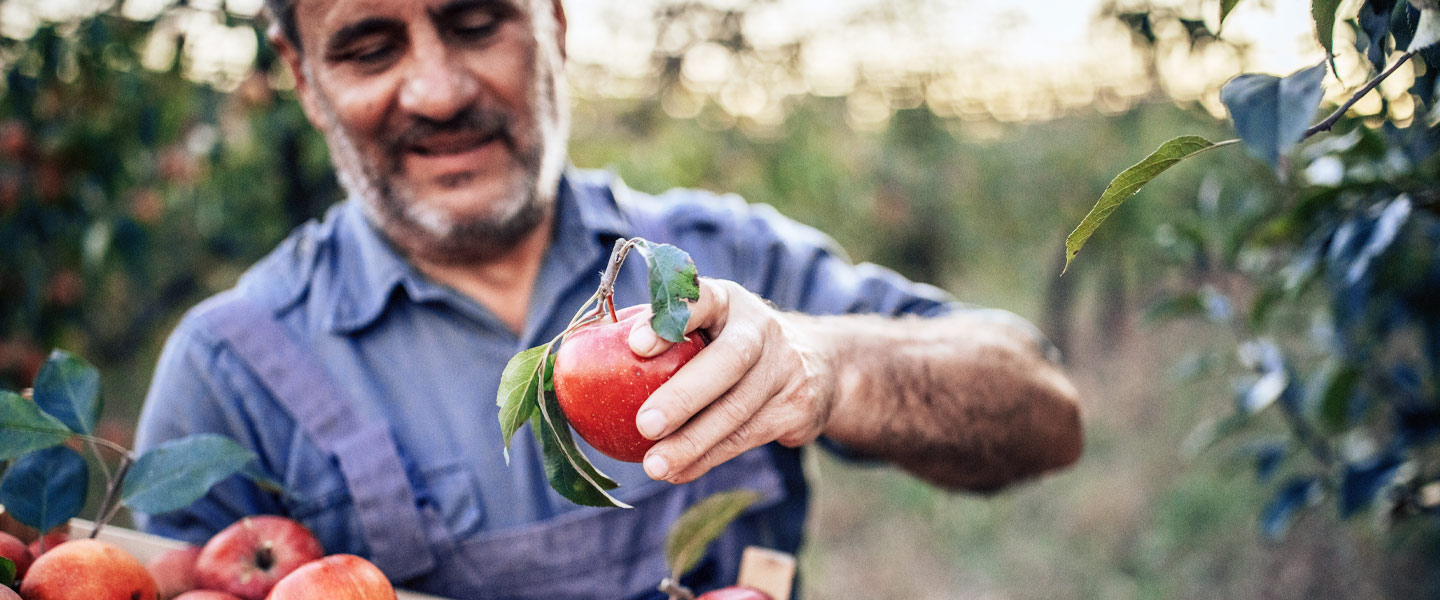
643, 340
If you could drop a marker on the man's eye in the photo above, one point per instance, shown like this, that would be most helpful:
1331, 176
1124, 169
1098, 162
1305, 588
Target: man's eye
475, 27
371, 54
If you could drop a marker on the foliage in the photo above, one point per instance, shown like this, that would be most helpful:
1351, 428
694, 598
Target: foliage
46, 483
1326, 277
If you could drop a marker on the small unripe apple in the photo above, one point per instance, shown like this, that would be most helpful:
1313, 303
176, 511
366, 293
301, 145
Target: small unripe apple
734, 592
87, 570
12, 548
174, 571
337, 577
600, 383
249, 556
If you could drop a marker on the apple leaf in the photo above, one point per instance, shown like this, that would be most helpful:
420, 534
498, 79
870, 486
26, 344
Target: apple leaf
673, 281
1129, 182
567, 469
44, 489
69, 388
1271, 114
178, 472
7, 572
25, 428
1225, 7
520, 385
1323, 12
701, 524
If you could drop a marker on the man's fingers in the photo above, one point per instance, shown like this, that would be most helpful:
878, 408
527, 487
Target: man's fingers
722, 429
706, 313
706, 377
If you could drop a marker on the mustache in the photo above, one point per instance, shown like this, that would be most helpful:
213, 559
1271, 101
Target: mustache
470, 122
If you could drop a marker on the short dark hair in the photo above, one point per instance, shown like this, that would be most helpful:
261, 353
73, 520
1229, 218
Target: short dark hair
282, 13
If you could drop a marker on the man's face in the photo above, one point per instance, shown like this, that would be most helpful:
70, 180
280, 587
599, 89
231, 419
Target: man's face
444, 116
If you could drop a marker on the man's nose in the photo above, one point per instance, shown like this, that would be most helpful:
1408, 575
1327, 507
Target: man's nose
437, 86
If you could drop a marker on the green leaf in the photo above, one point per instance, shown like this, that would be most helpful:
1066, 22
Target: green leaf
1323, 12
570, 473
69, 388
673, 281
178, 472
24, 428
1337, 387
519, 388
263, 479
46, 488
1225, 7
1129, 182
700, 525
1270, 113
7, 572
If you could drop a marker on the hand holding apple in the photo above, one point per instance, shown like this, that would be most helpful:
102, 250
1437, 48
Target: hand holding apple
600, 384
248, 557
758, 381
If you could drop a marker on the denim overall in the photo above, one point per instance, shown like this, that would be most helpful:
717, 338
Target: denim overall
599, 554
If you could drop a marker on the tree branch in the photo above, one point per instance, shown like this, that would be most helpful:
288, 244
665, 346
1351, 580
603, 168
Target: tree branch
1334, 117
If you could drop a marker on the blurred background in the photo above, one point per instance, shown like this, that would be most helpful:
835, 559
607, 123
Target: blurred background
150, 150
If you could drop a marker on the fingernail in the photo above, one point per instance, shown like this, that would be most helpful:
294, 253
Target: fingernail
650, 423
643, 341
656, 467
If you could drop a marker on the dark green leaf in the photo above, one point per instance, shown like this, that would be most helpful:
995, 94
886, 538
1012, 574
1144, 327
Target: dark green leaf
7, 572
25, 428
1129, 182
178, 472
69, 388
1225, 7
519, 387
1374, 20
45, 489
700, 525
570, 473
1323, 13
1364, 481
1296, 495
1271, 114
1337, 386
673, 282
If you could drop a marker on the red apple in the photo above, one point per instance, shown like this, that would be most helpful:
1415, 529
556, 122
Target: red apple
248, 557
12, 548
87, 570
206, 595
734, 592
174, 571
8, 594
600, 383
338, 577
48, 542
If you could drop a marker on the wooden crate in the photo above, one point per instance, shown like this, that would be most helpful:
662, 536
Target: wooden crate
145, 546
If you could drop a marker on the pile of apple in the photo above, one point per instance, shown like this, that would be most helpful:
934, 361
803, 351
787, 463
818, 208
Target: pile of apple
256, 558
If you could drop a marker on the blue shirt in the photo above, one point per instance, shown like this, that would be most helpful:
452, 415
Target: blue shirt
426, 359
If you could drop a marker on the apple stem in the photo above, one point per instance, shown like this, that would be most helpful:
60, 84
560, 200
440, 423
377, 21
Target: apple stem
675, 590
105, 512
610, 304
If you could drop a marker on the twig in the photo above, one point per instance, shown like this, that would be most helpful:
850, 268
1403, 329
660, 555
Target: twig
105, 511
1334, 117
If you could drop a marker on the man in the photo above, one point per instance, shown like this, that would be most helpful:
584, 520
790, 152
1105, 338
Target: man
360, 359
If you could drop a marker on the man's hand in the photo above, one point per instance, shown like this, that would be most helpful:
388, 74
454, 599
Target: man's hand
756, 382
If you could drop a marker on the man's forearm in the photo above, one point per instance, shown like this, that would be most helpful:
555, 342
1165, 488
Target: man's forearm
963, 401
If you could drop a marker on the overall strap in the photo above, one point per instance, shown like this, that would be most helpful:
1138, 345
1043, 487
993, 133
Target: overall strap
365, 450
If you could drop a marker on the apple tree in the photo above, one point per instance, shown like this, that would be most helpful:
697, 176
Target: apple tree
1325, 275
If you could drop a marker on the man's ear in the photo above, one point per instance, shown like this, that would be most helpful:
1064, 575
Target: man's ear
303, 86
560, 27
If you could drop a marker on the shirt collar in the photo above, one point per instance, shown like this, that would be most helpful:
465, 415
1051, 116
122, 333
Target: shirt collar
369, 269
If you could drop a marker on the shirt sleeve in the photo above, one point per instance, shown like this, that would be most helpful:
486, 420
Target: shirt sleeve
795, 266
189, 395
